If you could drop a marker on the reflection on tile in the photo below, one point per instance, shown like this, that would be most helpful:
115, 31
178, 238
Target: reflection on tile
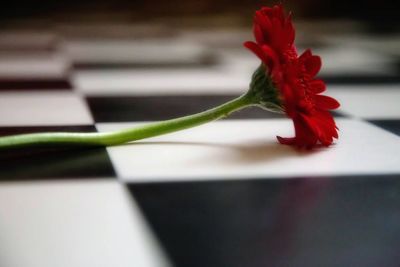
338, 221
53, 162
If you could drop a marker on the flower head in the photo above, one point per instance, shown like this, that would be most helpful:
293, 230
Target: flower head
294, 78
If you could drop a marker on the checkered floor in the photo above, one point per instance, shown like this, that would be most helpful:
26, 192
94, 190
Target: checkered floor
223, 194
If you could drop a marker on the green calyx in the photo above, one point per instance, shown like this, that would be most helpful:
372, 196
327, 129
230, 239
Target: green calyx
263, 91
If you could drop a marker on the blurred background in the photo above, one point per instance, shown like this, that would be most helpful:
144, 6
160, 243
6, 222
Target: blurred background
359, 40
380, 15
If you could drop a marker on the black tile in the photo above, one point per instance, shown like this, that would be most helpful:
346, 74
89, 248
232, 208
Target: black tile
34, 84
338, 114
390, 125
208, 61
145, 108
35, 163
357, 79
302, 222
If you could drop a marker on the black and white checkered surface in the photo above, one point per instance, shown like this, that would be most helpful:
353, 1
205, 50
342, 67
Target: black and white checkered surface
223, 194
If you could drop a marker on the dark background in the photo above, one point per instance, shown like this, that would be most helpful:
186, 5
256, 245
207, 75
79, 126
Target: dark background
381, 16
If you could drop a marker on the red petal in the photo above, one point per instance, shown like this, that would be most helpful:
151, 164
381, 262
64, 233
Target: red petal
311, 62
273, 60
313, 65
317, 86
327, 127
278, 12
277, 30
265, 25
266, 10
287, 141
289, 30
288, 99
306, 54
305, 135
256, 49
312, 125
326, 122
326, 102
258, 34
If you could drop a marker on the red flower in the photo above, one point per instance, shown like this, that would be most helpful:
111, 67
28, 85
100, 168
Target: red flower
294, 76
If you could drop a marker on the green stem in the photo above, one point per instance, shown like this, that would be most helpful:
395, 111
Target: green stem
128, 135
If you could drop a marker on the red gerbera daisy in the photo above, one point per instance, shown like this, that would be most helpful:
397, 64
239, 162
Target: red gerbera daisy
294, 77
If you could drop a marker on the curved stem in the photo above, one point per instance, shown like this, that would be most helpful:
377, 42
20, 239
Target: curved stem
131, 134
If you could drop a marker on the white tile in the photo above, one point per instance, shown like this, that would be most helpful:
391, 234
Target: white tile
241, 149
161, 81
385, 44
349, 59
27, 40
222, 37
145, 51
43, 108
33, 66
368, 101
73, 224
